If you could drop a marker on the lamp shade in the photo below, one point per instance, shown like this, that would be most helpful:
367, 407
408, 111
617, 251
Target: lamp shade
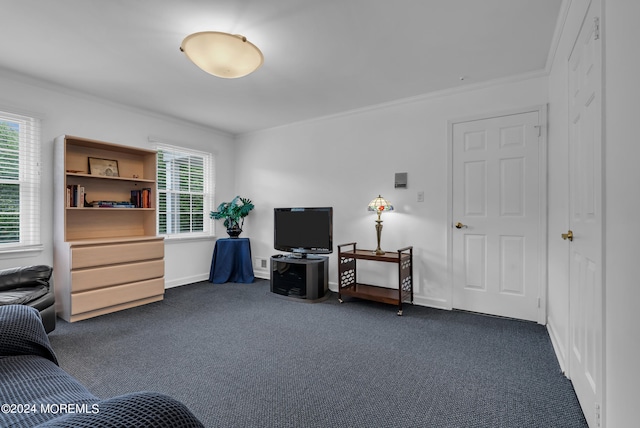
380, 204
222, 54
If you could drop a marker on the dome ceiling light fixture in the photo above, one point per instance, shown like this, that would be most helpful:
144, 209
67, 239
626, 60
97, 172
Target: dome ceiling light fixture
222, 54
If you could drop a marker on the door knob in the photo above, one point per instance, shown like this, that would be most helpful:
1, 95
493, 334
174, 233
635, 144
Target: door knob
460, 225
568, 235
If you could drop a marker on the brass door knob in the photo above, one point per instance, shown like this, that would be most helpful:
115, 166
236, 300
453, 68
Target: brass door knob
460, 225
568, 235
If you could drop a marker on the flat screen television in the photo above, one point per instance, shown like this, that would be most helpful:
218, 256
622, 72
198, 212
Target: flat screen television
303, 230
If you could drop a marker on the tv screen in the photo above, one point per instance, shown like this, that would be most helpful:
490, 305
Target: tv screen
303, 230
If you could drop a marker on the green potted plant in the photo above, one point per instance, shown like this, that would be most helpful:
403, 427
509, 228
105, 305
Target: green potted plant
233, 214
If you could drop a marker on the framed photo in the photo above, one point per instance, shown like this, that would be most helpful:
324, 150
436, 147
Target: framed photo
104, 167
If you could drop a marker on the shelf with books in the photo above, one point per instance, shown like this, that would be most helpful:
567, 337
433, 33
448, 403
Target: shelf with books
125, 194
110, 208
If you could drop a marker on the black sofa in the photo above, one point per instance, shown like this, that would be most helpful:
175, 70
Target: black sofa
36, 392
31, 286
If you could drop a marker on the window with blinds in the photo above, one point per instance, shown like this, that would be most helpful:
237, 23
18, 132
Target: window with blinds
19, 182
185, 187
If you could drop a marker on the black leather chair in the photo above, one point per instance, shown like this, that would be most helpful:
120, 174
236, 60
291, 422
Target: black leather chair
31, 286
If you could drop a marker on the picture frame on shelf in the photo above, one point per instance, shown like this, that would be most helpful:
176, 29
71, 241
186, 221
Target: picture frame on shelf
103, 167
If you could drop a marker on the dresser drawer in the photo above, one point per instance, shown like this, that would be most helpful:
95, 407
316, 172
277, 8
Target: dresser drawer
108, 254
91, 300
93, 278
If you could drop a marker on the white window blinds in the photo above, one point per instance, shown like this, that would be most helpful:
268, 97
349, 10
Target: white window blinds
19, 182
185, 191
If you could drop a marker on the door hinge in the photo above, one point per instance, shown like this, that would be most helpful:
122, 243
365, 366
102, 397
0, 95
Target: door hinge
538, 302
596, 28
539, 128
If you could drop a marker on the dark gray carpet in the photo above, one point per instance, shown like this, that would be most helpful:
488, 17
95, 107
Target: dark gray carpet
240, 356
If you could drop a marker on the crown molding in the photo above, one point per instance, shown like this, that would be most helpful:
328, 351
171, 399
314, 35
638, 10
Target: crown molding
412, 100
62, 89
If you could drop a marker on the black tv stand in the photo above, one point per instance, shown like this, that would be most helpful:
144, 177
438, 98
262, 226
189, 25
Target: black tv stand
300, 277
299, 256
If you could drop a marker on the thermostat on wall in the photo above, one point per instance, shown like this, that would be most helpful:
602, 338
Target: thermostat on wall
401, 180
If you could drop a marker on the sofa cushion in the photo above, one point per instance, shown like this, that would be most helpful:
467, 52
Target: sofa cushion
44, 302
42, 386
17, 277
23, 294
45, 395
22, 333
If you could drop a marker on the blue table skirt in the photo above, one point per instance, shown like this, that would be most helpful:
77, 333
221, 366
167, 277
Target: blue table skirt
231, 261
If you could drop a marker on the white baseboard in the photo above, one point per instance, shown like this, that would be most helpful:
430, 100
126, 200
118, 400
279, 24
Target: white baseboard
261, 273
186, 280
431, 302
557, 346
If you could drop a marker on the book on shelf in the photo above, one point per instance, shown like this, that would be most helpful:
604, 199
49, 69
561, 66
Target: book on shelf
141, 198
112, 204
75, 196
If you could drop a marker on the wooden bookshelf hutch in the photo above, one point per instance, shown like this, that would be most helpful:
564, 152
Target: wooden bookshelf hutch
105, 259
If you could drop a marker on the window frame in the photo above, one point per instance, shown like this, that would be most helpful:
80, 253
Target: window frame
29, 153
208, 166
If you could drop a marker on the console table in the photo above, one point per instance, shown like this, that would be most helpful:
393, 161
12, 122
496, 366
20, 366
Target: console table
347, 275
231, 261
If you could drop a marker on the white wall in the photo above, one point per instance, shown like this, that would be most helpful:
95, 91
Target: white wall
346, 160
68, 113
622, 236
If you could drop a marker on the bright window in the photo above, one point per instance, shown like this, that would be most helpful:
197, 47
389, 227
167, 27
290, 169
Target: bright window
19, 182
185, 188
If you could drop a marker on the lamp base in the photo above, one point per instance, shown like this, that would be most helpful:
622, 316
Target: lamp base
378, 251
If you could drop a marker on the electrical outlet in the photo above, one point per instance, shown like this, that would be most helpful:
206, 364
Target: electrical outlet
261, 263
421, 196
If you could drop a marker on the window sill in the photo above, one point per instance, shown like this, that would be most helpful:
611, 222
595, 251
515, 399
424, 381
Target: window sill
15, 252
182, 239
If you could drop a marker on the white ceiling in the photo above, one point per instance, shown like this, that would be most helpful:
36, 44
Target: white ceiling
322, 57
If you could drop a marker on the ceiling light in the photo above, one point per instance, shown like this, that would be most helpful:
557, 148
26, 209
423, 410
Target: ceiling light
222, 54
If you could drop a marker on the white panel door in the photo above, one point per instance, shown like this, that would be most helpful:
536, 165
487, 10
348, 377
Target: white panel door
585, 219
496, 206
